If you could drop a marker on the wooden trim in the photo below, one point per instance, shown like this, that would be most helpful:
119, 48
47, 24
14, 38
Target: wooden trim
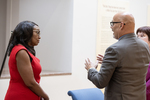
55, 74
43, 74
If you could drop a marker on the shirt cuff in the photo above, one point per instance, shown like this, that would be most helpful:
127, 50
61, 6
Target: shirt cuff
90, 68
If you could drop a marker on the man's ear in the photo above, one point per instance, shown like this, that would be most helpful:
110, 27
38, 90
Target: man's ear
122, 25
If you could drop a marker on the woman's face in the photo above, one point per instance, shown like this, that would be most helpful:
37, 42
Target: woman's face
36, 37
143, 36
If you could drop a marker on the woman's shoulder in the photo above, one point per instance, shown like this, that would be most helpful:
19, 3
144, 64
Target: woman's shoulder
17, 48
22, 54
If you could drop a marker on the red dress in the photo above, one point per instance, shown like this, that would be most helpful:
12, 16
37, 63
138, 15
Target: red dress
17, 89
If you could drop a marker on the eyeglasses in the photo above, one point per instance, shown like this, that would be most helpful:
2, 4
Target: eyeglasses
36, 31
112, 23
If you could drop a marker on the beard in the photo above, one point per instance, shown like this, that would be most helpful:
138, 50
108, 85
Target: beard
115, 36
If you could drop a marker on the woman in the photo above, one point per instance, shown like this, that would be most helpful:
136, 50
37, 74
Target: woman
24, 67
144, 34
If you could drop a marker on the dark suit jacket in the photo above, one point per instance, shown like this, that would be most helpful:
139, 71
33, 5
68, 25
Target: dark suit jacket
123, 71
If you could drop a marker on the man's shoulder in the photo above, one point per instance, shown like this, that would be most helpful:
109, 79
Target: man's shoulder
120, 45
115, 45
112, 48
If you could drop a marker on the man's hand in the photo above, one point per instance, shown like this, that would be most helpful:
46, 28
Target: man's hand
89, 64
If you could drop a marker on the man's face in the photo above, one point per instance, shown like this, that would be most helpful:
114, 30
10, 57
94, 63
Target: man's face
115, 28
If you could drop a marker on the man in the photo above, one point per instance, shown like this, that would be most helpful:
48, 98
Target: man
124, 65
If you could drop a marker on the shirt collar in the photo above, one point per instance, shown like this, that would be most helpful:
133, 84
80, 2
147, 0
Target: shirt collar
121, 37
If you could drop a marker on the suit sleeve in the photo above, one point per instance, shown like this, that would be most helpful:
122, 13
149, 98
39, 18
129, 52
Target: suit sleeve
110, 62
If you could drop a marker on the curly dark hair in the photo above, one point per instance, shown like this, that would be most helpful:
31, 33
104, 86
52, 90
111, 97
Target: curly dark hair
22, 35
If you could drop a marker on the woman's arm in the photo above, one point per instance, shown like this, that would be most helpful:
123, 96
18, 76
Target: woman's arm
26, 72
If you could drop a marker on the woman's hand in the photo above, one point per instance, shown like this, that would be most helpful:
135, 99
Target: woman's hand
100, 58
47, 98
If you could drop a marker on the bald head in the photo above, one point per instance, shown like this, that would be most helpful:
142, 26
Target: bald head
125, 17
127, 22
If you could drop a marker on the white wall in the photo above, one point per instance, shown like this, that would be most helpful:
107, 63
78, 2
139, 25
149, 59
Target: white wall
83, 46
139, 9
2, 28
56, 31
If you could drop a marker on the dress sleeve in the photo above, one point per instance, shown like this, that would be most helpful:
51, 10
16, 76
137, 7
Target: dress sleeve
102, 78
148, 89
148, 84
